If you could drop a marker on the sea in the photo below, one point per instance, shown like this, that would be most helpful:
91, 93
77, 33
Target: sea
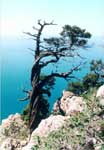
16, 61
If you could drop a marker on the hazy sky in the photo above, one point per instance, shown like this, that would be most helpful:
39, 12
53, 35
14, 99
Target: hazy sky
20, 15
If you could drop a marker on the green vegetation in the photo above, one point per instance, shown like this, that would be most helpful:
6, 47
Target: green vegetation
77, 130
16, 131
92, 79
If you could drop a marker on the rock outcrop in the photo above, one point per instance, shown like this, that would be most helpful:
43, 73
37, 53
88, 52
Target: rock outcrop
46, 126
13, 133
69, 104
78, 125
100, 95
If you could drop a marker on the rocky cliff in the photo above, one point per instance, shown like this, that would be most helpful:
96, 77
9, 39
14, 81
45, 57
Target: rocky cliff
13, 133
76, 123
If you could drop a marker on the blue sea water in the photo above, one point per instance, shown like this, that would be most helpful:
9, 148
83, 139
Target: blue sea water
15, 70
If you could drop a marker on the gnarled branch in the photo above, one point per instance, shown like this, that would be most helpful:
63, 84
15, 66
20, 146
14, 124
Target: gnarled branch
64, 75
29, 92
49, 62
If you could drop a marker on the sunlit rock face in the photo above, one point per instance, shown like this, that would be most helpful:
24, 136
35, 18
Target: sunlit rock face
69, 104
50, 124
13, 133
100, 95
45, 127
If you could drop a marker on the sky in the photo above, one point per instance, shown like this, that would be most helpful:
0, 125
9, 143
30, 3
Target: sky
20, 15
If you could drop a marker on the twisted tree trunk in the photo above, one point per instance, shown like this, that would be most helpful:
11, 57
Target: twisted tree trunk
34, 106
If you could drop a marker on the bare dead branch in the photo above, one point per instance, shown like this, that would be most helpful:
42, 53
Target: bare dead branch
39, 22
29, 92
48, 62
44, 47
55, 54
44, 23
64, 75
35, 28
28, 33
31, 49
51, 23
25, 99
77, 54
32, 39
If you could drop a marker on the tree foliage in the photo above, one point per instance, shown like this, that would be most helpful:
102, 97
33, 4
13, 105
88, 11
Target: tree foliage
94, 78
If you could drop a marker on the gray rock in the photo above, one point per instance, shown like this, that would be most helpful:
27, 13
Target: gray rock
100, 95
